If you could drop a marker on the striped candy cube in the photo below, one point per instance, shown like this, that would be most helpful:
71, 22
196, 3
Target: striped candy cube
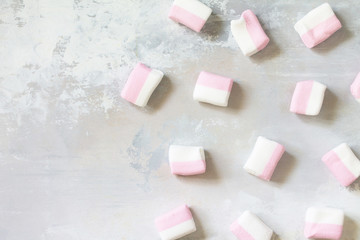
141, 84
308, 98
249, 34
176, 223
191, 13
325, 223
318, 25
249, 227
264, 158
343, 164
355, 88
186, 160
212, 88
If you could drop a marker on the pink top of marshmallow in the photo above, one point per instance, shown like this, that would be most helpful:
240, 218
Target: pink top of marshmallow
255, 30
301, 97
173, 218
215, 81
188, 167
240, 232
194, 22
323, 230
135, 82
273, 161
355, 87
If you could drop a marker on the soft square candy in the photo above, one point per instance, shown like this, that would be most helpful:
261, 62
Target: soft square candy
176, 223
141, 84
343, 163
249, 227
249, 34
325, 223
308, 98
264, 158
212, 88
187, 160
355, 88
318, 25
191, 13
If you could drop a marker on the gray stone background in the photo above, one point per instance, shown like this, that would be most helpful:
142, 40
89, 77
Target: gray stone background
77, 162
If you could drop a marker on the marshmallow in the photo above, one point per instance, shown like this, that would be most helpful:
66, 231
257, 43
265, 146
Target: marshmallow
355, 88
325, 223
176, 223
185, 160
249, 34
212, 88
318, 25
191, 13
343, 164
308, 98
249, 227
141, 84
264, 158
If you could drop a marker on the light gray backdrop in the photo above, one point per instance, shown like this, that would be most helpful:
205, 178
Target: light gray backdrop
77, 162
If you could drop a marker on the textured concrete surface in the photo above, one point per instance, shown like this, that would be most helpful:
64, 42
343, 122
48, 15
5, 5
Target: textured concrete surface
77, 162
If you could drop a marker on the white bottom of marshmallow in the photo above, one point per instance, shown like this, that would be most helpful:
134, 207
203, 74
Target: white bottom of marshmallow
152, 81
254, 226
211, 95
348, 158
260, 156
316, 99
179, 230
242, 37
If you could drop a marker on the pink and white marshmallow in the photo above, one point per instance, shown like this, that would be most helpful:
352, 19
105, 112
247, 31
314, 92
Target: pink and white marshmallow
249, 34
324, 223
141, 84
213, 89
355, 88
343, 163
318, 25
264, 158
190, 13
250, 227
176, 223
187, 160
308, 98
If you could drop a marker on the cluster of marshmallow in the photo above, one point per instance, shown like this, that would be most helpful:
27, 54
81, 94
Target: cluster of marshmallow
315, 27
325, 223
209, 88
320, 222
190, 160
307, 99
